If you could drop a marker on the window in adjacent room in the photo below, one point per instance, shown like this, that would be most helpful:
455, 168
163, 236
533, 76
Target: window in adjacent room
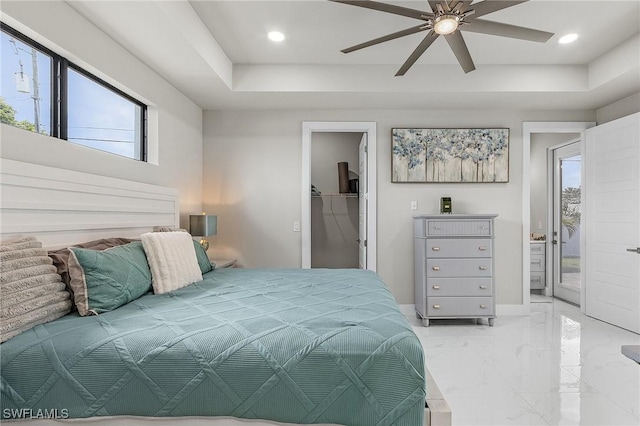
87, 110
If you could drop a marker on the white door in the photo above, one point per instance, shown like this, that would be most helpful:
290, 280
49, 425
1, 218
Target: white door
612, 222
567, 213
362, 203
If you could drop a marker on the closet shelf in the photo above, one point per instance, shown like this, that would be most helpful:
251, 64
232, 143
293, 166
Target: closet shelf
345, 195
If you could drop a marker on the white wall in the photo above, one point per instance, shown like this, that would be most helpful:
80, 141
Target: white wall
252, 179
540, 142
175, 127
619, 109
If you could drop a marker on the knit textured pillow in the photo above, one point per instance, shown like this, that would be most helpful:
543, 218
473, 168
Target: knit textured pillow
172, 260
31, 292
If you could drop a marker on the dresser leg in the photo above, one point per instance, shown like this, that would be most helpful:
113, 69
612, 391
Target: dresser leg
425, 322
491, 322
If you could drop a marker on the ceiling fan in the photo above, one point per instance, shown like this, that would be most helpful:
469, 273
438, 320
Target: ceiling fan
449, 18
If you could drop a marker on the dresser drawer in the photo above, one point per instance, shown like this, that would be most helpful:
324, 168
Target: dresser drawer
459, 227
458, 247
459, 306
480, 267
537, 262
537, 248
459, 287
538, 280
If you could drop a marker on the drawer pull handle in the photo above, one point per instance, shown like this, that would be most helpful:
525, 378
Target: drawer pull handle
436, 268
483, 287
436, 287
483, 306
436, 306
435, 248
482, 248
483, 268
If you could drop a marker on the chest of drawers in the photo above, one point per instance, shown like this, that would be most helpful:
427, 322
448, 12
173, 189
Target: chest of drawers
454, 266
538, 265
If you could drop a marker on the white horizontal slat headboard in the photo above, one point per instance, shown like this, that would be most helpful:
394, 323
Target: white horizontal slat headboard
63, 207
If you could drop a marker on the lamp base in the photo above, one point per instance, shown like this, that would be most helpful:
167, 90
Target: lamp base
205, 244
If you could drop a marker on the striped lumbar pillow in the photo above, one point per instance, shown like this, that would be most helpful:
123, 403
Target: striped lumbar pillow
172, 260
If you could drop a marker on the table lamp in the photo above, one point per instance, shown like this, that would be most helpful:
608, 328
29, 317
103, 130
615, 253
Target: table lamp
203, 225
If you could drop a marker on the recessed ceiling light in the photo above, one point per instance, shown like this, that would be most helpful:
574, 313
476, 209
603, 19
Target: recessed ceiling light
275, 36
569, 38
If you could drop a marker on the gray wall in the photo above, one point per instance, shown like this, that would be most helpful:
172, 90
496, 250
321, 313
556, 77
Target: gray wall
175, 122
540, 142
252, 180
327, 150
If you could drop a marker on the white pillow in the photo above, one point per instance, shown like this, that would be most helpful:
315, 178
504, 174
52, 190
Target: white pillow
172, 260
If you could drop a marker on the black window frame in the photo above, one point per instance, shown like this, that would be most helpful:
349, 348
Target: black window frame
59, 94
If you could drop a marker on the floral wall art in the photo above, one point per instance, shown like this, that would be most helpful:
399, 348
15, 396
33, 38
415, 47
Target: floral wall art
450, 155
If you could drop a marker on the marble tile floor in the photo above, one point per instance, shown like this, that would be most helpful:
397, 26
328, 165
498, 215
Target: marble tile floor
554, 367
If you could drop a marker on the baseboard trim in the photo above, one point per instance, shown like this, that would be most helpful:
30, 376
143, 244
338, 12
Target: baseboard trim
408, 309
512, 310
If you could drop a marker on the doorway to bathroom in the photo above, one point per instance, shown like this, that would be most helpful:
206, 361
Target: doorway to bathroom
567, 213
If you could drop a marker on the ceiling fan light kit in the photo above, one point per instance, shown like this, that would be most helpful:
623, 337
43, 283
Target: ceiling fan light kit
448, 18
445, 24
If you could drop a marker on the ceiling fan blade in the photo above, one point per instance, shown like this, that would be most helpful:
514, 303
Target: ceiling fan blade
505, 30
487, 6
433, 4
382, 39
424, 45
389, 8
459, 47
462, 5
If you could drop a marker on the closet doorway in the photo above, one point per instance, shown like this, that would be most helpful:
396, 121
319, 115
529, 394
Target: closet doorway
338, 226
335, 207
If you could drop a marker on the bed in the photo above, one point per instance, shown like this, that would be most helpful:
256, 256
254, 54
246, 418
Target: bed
296, 346
282, 346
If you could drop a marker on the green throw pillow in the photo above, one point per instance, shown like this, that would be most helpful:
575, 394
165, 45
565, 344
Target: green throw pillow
203, 259
105, 280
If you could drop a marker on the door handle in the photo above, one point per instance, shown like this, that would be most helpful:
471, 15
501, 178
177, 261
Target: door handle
634, 250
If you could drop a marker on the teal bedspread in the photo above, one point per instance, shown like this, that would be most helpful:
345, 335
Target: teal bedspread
299, 346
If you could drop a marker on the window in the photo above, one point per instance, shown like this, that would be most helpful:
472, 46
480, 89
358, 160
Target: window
26, 90
101, 118
89, 111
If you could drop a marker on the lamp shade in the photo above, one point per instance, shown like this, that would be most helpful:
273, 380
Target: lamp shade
203, 225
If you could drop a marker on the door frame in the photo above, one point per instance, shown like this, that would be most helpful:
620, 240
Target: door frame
368, 127
529, 128
552, 168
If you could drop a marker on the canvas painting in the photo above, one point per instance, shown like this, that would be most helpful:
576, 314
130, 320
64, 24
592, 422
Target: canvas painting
450, 155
